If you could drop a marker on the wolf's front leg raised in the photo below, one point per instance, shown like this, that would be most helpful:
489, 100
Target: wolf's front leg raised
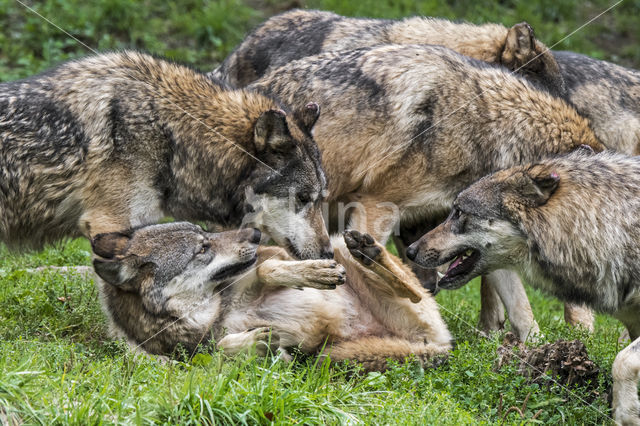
376, 258
281, 270
384, 283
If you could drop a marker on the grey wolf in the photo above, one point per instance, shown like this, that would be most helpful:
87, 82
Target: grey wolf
565, 224
120, 140
299, 33
605, 93
407, 127
170, 284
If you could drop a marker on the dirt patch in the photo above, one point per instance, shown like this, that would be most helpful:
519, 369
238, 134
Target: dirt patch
567, 362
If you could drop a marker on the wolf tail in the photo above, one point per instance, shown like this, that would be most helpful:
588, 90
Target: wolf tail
374, 352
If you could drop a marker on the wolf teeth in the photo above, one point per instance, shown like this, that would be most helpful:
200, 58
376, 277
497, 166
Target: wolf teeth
440, 275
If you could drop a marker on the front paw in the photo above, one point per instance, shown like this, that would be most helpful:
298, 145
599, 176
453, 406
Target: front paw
324, 274
363, 247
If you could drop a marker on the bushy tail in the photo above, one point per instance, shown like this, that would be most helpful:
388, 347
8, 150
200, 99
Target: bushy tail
373, 352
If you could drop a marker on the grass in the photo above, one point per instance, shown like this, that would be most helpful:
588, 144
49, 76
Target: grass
203, 32
57, 364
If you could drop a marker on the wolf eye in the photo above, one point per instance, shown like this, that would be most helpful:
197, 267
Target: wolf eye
304, 198
205, 247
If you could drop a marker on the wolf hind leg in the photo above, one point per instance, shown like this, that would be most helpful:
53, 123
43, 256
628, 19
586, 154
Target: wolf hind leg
626, 374
373, 352
260, 339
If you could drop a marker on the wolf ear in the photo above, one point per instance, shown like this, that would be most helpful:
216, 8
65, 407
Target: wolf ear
541, 187
308, 115
519, 44
271, 131
109, 270
110, 244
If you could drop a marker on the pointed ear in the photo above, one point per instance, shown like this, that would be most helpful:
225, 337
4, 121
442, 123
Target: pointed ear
308, 115
519, 45
541, 187
110, 244
271, 132
109, 271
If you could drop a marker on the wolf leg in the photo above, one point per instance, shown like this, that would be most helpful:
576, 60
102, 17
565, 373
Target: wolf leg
261, 338
378, 278
373, 352
491, 309
626, 373
579, 315
376, 258
323, 274
511, 291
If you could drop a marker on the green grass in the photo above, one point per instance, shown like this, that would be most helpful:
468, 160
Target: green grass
57, 365
203, 32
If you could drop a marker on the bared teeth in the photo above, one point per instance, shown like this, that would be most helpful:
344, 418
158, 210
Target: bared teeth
440, 274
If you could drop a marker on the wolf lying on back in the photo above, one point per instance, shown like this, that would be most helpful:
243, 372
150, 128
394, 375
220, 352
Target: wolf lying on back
298, 33
570, 226
122, 139
413, 125
164, 285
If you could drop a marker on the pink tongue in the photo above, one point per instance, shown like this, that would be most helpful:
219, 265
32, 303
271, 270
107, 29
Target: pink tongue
454, 263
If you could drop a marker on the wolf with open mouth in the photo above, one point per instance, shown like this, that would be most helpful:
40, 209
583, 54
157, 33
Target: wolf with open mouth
569, 226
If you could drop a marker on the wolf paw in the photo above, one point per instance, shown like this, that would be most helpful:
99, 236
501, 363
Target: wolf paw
362, 247
324, 274
264, 339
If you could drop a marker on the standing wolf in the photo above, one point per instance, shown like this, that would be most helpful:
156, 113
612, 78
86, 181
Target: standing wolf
408, 127
119, 140
299, 33
569, 225
607, 94
164, 285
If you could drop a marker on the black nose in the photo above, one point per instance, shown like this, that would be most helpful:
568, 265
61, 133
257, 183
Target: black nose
411, 253
326, 254
255, 237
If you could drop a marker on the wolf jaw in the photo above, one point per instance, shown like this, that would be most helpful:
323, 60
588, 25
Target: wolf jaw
460, 270
297, 227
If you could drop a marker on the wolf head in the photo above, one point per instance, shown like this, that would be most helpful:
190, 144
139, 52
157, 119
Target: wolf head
482, 232
173, 267
285, 199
